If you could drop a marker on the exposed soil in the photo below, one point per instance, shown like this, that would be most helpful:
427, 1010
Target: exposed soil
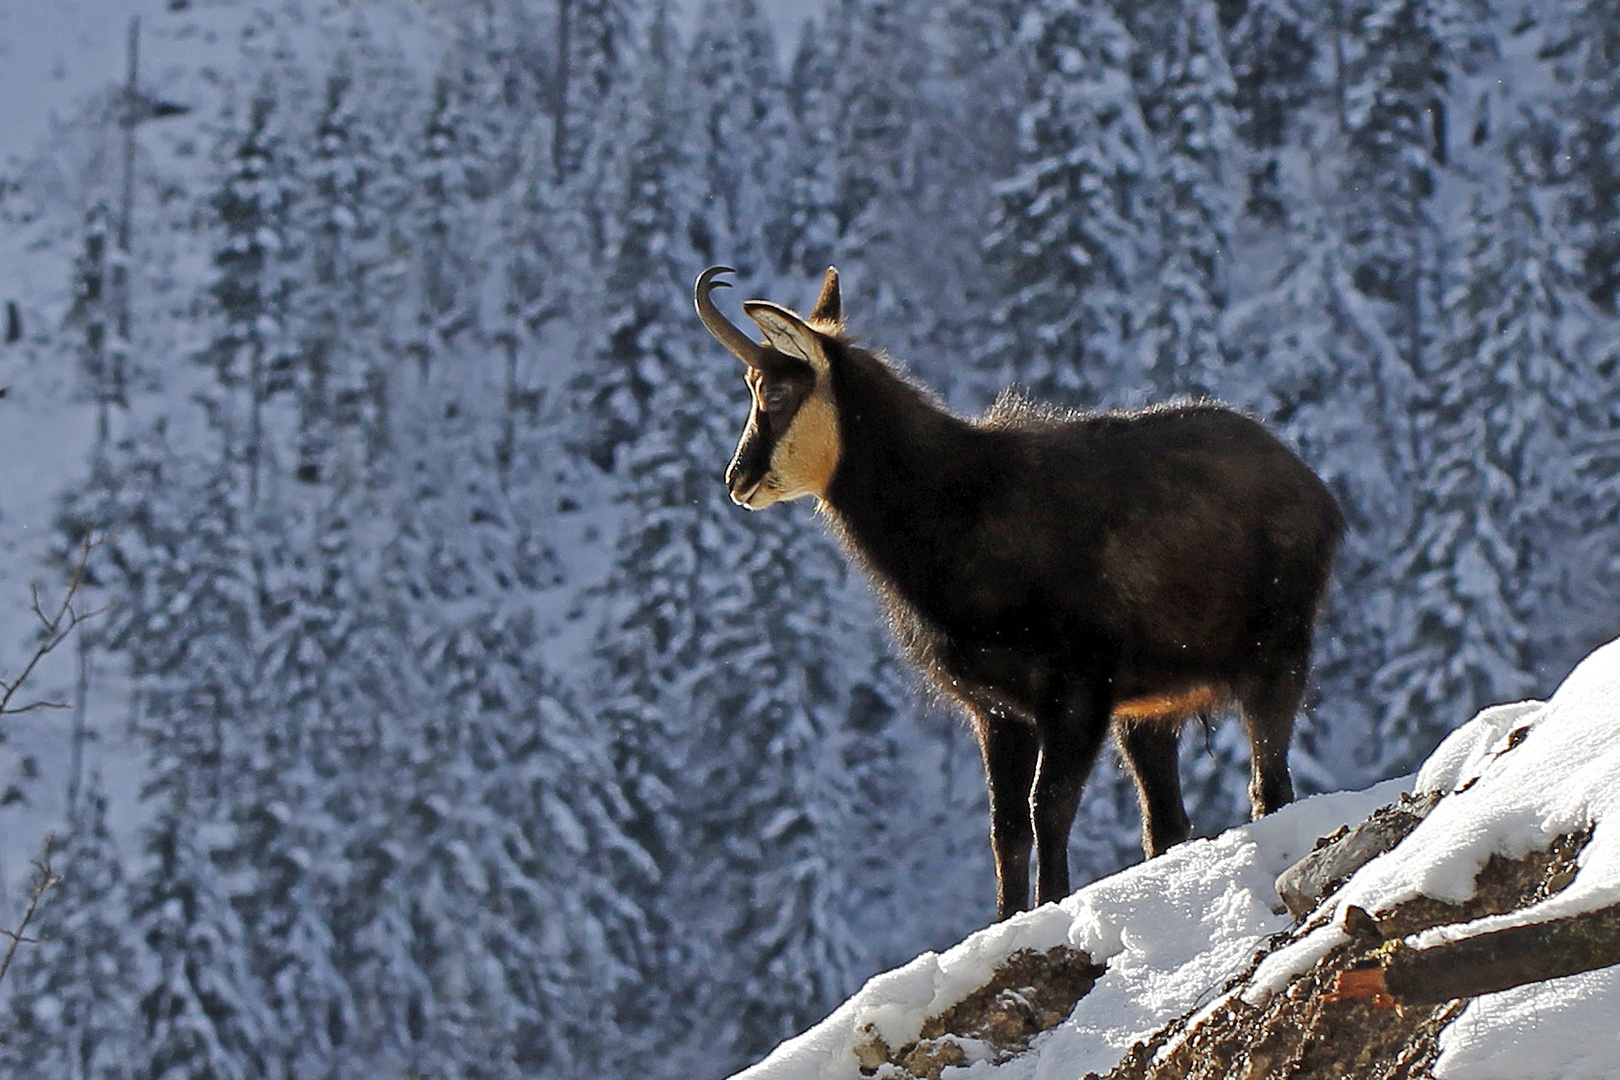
1309, 1032
1030, 992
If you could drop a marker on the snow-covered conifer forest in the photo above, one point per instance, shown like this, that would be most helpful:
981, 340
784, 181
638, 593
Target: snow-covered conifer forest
445, 719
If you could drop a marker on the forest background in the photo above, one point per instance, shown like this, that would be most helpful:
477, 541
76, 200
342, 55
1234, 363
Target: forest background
445, 718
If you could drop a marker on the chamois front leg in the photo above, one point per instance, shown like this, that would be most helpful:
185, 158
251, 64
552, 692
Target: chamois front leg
1010, 750
1070, 735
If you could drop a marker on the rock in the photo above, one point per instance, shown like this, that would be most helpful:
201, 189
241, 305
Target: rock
1306, 883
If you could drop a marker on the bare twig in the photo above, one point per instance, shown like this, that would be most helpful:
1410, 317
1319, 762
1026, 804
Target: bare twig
55, 626
44, 880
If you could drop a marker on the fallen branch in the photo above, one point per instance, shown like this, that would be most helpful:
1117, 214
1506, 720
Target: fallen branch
1486, 963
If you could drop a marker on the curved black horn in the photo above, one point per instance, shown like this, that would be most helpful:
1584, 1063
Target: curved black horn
741, 345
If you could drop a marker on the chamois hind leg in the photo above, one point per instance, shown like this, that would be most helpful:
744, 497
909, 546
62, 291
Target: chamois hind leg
1071, 734
1149, 749
1269, 706
1010, 749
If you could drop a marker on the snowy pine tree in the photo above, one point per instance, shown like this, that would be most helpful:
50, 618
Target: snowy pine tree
200, 1016
1502, 425
1187, 90
1068, 235
1272, 46
1590, 118
1394, 82
594, 43
740, 123
641, 211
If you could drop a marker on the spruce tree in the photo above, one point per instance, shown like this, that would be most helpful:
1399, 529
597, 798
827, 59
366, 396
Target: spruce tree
252, 288
648, 609
1068, 232
1395, 78
740, 124
595, 41
873, 184
1187, 91
1273, 47
1590, 116
772, 776
1504, 421
814, 225
200, 1016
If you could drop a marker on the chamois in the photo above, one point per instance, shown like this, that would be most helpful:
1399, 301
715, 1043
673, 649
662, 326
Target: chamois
1055, 574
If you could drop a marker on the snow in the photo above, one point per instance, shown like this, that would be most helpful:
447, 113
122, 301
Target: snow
53, 54
1168, 930
1563, 1029
1516, 777
1174, 930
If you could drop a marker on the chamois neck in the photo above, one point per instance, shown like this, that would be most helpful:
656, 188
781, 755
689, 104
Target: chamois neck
898, 470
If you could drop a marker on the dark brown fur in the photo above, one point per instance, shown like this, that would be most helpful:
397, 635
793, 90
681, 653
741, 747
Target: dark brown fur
1059, 575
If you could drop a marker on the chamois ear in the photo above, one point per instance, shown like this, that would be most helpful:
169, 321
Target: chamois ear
787, 333
829, 305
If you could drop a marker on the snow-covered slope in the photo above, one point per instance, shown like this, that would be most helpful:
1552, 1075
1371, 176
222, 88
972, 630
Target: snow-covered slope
1179, 937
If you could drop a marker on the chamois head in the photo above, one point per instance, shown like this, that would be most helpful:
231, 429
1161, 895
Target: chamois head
789, 446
